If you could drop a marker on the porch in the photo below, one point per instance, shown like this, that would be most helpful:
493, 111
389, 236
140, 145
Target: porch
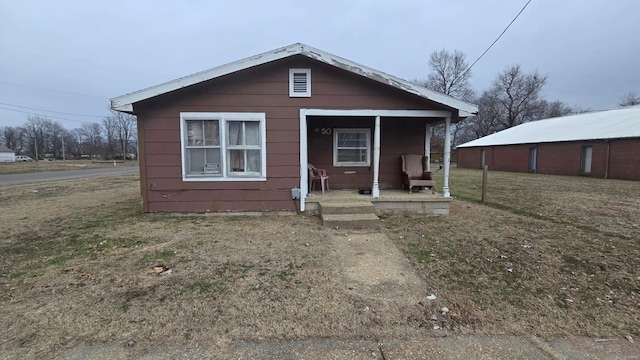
359, 161
390, 202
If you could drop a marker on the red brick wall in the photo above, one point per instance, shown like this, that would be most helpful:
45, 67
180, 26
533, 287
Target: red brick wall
563, 158
470, 158
624, 162
510, 158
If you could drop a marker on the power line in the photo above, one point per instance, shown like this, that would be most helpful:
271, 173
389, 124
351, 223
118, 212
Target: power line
51, 111
54, 90
45, 115
498, 38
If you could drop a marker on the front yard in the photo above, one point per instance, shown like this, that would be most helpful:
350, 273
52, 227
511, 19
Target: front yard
550, 256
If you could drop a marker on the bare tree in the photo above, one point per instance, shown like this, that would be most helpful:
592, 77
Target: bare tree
487, 121
12, 138
110, 131
124, 129
54, 133
449, 74
90, 139
556, 108
44, 137
513, 98
37, 137
519, 96
629, 99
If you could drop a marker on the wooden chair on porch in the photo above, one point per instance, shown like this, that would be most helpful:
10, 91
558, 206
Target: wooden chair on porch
415, 172
318, 174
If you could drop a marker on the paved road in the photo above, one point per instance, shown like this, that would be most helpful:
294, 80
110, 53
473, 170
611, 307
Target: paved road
14, 179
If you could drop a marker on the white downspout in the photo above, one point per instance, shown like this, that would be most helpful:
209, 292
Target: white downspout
375, 191
447, 156
427, 145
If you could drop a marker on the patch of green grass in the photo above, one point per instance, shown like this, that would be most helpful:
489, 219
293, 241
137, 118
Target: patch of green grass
243, 269
422, 256
17, 274
158, 255
124, 306
58, 260
574, 264
207, 286
69, 237
288, 273
33, 268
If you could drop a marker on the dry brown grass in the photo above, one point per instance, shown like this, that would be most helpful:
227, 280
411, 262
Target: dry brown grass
76, 262
58, 165
76, 256
548, 255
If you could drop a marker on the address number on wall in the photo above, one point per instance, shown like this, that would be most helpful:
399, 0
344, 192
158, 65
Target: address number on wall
323, 131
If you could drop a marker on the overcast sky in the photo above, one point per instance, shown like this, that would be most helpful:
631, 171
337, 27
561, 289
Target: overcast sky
73, 56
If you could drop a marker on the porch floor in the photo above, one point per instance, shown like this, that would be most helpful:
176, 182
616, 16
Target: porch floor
389, 202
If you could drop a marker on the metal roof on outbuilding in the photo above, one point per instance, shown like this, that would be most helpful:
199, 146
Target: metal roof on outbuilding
125, 103
610, 124
5, 149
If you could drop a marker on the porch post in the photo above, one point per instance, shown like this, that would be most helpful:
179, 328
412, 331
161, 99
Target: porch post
447, 156
304, 172
427, 145
375, 191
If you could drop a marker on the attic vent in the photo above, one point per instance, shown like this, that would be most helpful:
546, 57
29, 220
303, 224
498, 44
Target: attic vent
300, 82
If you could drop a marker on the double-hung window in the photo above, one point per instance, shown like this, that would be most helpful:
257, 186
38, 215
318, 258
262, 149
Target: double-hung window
223, 146
351, 147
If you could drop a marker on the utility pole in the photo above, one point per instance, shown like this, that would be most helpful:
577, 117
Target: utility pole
62, 138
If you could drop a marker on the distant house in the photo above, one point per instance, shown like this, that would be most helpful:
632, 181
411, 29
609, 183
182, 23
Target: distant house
6, 154
603, 144
238, 137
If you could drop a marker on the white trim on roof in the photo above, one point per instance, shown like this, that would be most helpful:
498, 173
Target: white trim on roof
125, 102
600, 125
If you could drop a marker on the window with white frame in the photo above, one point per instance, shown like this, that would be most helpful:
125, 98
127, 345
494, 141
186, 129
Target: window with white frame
351, 147
299, 82
223, 146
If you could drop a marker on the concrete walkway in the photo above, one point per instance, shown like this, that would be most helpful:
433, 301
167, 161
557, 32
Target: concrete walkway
373, 267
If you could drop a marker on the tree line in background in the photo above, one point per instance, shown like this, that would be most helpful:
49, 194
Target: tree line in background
43, 138
514, 97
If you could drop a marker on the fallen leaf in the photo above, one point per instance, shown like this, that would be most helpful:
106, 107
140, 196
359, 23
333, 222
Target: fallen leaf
628, 337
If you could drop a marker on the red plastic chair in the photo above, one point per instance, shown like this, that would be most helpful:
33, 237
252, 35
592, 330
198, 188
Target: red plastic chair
318, 174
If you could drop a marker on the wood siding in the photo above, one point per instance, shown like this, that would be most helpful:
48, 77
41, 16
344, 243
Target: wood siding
614, 159
265, 89
398, 136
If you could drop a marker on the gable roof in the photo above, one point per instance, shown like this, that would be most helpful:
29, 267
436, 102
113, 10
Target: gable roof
125, 103
5, 149
610, 124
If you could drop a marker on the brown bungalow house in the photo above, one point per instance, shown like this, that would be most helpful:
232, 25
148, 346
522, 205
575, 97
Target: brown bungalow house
238, 137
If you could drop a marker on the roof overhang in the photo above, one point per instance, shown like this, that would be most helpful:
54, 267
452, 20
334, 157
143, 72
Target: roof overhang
598, 125
125, 103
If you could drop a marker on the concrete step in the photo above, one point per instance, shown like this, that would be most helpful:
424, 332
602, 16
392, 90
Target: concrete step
364, 207
351, 221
